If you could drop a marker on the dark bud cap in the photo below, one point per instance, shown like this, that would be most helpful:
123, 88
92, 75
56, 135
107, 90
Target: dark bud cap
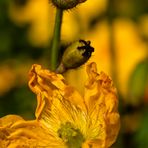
75, 55
66, 4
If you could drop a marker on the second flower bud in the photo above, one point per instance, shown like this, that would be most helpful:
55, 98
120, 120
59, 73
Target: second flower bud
66, 4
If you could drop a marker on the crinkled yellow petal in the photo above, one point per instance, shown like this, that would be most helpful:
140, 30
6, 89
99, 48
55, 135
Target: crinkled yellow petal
49, 85
15, 132
102, 104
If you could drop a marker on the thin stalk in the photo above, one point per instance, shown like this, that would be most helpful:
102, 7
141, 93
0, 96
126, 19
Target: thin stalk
56, 39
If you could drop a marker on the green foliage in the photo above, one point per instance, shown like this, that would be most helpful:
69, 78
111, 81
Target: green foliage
20, 101
141, 136
138, 83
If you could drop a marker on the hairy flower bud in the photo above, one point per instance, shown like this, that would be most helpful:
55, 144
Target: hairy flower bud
75, 55
66, 4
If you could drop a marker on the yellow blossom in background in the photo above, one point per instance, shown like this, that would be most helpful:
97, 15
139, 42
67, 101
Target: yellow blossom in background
39, 14
6, 74
76, 22
63, 115
130, 49
12, 75
90, 9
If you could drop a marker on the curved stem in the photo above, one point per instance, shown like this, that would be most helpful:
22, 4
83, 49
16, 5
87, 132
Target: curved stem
56, 39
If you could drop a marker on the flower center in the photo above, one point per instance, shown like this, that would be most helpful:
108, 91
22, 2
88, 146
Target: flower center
70, 135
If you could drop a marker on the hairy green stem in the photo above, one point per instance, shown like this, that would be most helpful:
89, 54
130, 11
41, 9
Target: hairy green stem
56, 39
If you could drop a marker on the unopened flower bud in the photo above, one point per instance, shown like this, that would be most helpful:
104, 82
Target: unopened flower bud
66, 4
75, 55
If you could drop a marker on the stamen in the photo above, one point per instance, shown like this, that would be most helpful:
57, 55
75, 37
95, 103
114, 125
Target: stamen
70, 135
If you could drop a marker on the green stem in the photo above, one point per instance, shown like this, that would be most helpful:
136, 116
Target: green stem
56, 39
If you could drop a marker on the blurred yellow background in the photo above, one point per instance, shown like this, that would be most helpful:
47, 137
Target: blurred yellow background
118, 30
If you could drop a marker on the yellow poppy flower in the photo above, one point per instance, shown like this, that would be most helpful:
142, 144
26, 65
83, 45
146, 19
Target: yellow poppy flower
65, 118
